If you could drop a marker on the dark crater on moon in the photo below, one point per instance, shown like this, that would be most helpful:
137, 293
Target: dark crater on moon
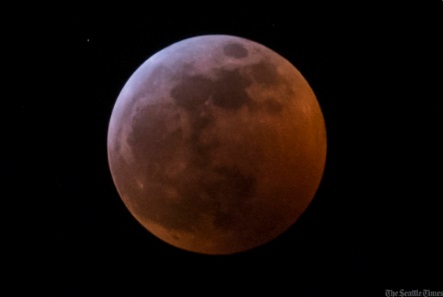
230, 90
266, 73
192, 92
227, 91
235, 50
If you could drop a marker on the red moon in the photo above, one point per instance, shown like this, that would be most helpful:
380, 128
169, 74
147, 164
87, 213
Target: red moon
217, 144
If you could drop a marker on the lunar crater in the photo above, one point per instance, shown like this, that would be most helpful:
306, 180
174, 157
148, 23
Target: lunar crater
235, 50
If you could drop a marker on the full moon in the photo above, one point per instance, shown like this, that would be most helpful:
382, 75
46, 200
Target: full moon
216, 144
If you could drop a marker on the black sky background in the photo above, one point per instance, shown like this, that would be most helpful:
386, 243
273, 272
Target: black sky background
375, 220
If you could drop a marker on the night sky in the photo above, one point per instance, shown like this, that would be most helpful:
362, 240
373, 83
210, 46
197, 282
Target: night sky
374, 221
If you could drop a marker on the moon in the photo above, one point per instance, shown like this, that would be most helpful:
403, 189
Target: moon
216, 144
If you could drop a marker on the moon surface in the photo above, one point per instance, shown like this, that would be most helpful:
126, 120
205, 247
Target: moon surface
216, 144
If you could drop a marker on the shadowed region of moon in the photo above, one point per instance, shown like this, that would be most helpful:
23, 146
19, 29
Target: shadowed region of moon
216, 144
235, 50
227, 91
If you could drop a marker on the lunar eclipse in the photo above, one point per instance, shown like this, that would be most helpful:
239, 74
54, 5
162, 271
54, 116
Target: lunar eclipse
216, 144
